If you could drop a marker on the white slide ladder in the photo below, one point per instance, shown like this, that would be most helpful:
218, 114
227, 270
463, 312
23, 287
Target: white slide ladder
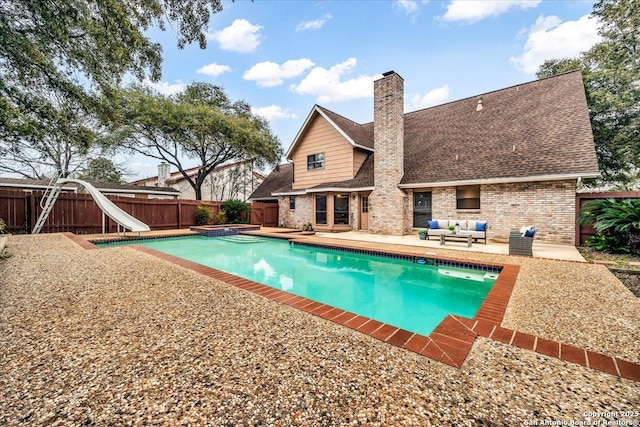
107, 206
49, 199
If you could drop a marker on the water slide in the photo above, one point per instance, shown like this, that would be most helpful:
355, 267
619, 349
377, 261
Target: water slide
108, 207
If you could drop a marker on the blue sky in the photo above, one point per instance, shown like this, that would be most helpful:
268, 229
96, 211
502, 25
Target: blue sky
284, 56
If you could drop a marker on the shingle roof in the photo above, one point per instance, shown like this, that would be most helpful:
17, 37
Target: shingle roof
41, 183
279, 180
360, 134
533, 130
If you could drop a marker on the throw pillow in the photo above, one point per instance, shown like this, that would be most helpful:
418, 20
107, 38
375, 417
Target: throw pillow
481, 226
433, 225
530, 232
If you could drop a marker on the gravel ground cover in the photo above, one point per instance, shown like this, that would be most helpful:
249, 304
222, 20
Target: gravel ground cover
118, 337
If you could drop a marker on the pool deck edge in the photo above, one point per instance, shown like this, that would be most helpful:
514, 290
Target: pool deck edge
449, 343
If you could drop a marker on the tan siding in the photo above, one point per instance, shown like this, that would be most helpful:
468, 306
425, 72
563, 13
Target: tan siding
321, 137
358, 159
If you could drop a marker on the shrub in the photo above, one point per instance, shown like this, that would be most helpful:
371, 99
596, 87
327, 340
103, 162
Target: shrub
235, 210
202, 215
307, 227
220, 218
610, 243
616, 218
2, 226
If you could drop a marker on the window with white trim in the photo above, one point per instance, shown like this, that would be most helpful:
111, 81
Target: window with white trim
315, 161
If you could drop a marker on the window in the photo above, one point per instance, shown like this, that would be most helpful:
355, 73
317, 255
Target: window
292, 203
315, 161
321, 209
365, 204
341, 209
468, 197
421, 209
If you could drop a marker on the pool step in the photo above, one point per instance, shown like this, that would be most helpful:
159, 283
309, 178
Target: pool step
241, 238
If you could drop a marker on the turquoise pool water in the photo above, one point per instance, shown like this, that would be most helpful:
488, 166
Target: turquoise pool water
405, 294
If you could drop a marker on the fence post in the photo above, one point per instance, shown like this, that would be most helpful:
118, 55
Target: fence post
31, 213
179, 214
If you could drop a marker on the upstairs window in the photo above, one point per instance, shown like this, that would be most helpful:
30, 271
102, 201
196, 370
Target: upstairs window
468, 197
315, 161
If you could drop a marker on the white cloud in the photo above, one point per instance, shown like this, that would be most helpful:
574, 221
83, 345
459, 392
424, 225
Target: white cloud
409, 6
313, 25
433, 97
273, 112
267, 74
328, 87
241, 36
166, 88
472, 11
213, 69
550, 38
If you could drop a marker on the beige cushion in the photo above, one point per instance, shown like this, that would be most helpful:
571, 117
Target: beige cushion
443, 223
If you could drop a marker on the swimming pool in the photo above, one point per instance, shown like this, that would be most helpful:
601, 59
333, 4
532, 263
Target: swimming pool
399, 292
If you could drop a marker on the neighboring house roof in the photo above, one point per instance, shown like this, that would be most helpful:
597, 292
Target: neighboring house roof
42, 184
533, 131
278, 181
177, 176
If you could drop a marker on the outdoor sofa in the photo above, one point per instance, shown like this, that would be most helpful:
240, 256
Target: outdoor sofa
477, 229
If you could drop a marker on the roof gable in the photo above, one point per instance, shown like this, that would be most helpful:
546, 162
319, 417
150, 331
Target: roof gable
359, 136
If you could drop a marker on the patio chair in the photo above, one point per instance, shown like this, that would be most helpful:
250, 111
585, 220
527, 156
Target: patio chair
521, 243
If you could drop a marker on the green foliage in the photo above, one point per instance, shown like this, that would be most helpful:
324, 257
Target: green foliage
60, 59
611, 74
235, 211
202, 215
3, 225
102, 170
618, 219
307, 226
609, 243
553, 67
201, 123
220, 218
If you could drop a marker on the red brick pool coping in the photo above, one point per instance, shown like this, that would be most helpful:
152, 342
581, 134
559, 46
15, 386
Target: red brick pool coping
449, 343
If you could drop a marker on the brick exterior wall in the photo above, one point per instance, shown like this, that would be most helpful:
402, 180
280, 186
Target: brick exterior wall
298, 217
387, 203
549, 205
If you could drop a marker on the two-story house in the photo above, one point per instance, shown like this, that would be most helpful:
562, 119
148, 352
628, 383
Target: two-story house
511, 157
230, 181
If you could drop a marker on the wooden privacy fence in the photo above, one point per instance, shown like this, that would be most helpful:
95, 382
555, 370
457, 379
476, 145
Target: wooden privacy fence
583, 232
79, 214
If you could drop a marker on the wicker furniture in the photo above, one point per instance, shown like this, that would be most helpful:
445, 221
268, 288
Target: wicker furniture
519, 244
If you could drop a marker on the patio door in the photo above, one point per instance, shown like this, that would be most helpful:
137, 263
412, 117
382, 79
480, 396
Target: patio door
364, 212
421, 209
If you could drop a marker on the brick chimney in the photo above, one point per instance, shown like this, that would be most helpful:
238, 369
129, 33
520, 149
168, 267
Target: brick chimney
388, 202
163, 174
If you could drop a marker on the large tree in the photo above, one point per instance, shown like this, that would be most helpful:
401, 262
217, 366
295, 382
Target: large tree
201, 123
611, 72
102, 170
59, 59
